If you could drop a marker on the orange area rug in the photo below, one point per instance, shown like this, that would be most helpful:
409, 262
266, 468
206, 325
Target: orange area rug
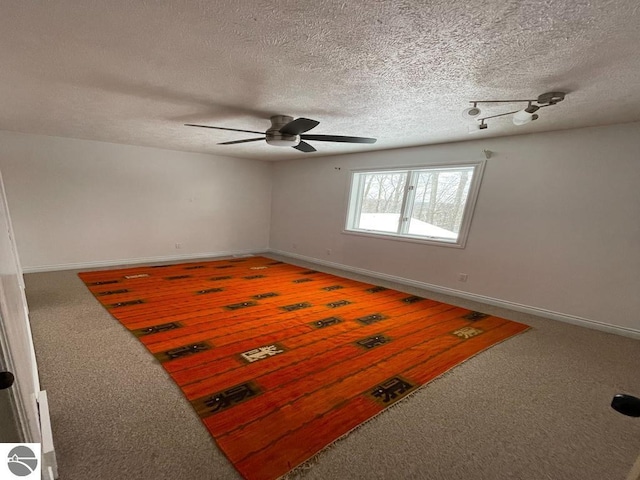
280, 361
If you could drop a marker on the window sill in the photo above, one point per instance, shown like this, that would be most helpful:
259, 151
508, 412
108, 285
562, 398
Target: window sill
403, 238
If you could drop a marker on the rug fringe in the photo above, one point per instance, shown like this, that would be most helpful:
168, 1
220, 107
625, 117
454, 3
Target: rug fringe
302, 469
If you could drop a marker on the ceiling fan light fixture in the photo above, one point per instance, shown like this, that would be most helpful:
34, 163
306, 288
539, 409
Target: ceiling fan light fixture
278, 139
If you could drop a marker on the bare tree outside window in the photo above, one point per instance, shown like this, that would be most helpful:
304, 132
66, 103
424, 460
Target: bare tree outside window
383, 192
428, 202
381, 201
440, 198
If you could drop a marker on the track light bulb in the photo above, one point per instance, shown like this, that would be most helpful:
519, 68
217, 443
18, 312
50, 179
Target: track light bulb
526, 115
471, 112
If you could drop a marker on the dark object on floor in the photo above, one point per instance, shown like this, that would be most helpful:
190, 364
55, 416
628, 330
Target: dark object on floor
626, 404
6, 380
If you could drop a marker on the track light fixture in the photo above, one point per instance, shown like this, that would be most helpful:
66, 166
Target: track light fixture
520, 117
527, 115
470, 113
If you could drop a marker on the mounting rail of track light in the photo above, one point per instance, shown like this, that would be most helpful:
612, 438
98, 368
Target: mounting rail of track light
520, 117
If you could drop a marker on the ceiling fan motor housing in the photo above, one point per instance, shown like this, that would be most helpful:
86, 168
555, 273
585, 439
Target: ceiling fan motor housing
277, 138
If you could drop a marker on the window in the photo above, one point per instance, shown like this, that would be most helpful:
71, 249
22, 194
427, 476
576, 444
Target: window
431, 204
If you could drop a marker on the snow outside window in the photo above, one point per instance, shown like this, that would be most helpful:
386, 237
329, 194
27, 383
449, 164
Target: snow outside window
431, 204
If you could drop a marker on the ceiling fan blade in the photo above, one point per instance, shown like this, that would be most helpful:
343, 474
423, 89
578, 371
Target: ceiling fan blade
222, 128
242, 141
305, 147
298, 126
338, 138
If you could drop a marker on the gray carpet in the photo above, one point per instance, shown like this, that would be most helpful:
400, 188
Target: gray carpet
534, 407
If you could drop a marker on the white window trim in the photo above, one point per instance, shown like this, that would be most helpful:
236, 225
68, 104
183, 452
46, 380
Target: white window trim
467, 216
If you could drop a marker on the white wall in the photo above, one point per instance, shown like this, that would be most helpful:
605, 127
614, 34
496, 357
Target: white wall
84, 202
556, 226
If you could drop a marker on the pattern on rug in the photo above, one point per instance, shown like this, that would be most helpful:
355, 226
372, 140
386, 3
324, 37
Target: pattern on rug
279, 361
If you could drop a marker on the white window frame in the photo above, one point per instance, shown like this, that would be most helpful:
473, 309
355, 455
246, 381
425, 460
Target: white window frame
354, 204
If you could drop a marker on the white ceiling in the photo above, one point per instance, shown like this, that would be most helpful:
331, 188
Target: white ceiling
134, 72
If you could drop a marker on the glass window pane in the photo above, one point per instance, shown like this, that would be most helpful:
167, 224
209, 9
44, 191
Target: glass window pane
381, 201
439, 202
435, 207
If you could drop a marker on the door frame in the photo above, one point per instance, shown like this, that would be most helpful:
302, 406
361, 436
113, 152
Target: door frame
31, 405
15, 334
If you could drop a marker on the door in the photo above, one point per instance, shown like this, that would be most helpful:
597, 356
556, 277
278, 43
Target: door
18, 401
9, 426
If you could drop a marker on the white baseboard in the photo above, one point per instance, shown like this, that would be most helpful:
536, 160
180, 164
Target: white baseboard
562, 317
134, 261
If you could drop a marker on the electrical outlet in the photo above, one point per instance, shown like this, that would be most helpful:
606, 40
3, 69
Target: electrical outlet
328, 251
178, 245
463, 277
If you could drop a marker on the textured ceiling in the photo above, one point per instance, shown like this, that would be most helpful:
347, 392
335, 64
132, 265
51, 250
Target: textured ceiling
134, 72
